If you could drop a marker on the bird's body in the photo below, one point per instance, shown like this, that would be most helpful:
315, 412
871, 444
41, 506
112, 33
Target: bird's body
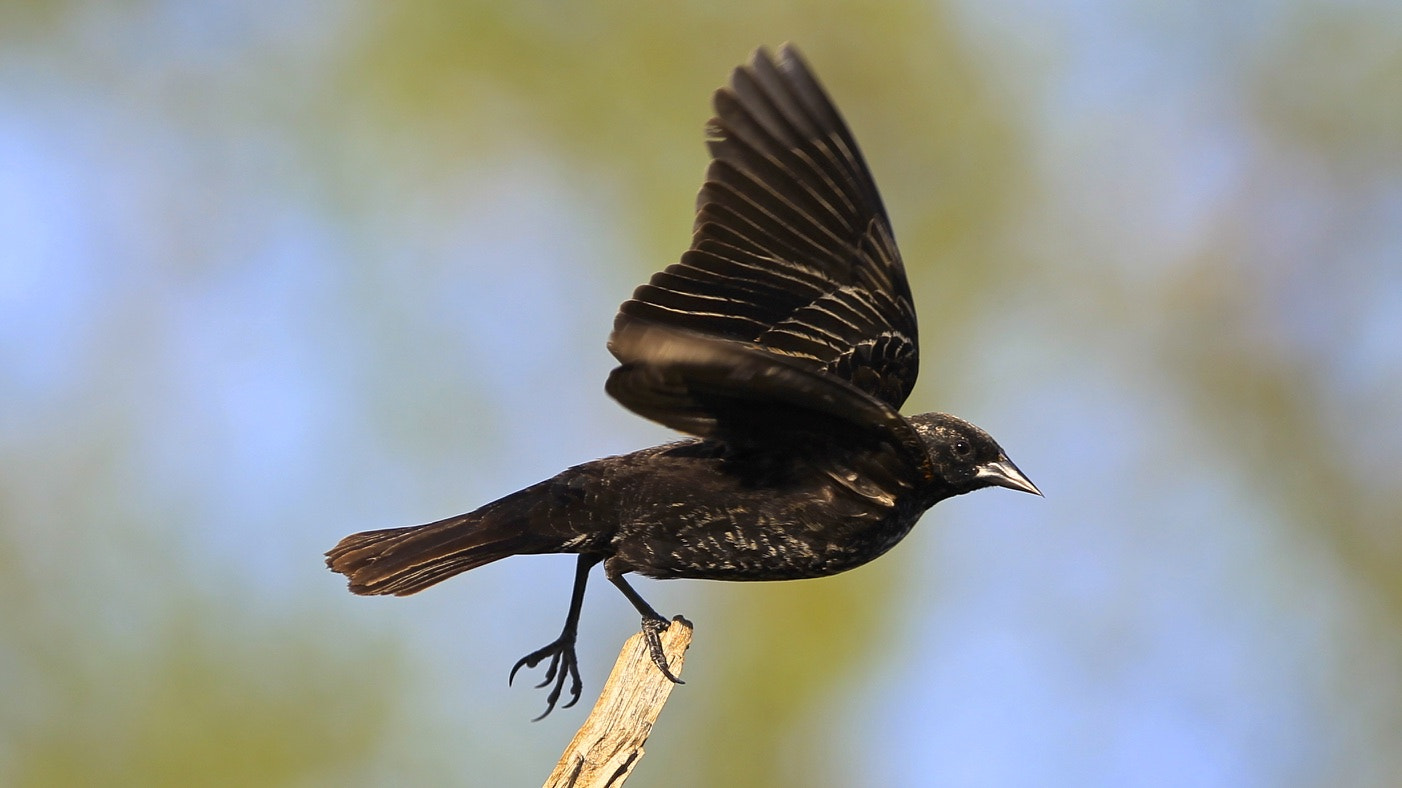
689, 509
692, 514
785, 340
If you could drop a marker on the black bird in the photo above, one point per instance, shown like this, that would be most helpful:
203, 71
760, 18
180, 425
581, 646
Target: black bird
785, 341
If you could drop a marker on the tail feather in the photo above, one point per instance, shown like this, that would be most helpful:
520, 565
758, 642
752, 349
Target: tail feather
402, 561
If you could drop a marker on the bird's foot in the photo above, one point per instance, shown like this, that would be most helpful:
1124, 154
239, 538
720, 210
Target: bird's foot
563, 665
652, 635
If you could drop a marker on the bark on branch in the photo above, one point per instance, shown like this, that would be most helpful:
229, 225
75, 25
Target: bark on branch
610, 743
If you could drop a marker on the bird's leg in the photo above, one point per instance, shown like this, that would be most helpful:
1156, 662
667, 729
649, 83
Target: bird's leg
563, 662
653, 624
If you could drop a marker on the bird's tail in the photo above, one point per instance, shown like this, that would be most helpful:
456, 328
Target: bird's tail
402, 561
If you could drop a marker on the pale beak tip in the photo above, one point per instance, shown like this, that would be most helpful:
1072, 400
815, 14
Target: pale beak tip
1004, 474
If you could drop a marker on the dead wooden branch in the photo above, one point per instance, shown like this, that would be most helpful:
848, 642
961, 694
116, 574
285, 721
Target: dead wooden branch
610, 743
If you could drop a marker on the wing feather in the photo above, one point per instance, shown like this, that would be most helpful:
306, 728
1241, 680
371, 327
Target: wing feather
792, 250
759, 402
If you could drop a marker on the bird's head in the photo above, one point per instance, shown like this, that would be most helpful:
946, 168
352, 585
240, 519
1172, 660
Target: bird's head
966, 458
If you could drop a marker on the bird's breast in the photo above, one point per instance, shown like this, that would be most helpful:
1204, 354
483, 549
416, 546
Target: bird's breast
709, 525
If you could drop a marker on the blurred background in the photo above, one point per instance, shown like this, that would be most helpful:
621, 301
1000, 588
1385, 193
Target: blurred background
271, 273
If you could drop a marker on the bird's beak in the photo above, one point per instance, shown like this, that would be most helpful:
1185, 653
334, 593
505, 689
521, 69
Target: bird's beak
1003, 473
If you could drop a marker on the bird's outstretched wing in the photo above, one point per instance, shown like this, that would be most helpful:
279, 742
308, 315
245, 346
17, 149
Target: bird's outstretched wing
760, 402
791, 251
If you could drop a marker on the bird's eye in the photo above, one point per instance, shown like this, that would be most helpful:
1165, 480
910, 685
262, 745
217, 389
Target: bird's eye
962, 448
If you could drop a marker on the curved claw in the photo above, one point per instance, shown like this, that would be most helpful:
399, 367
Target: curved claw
652, 635
563, 665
